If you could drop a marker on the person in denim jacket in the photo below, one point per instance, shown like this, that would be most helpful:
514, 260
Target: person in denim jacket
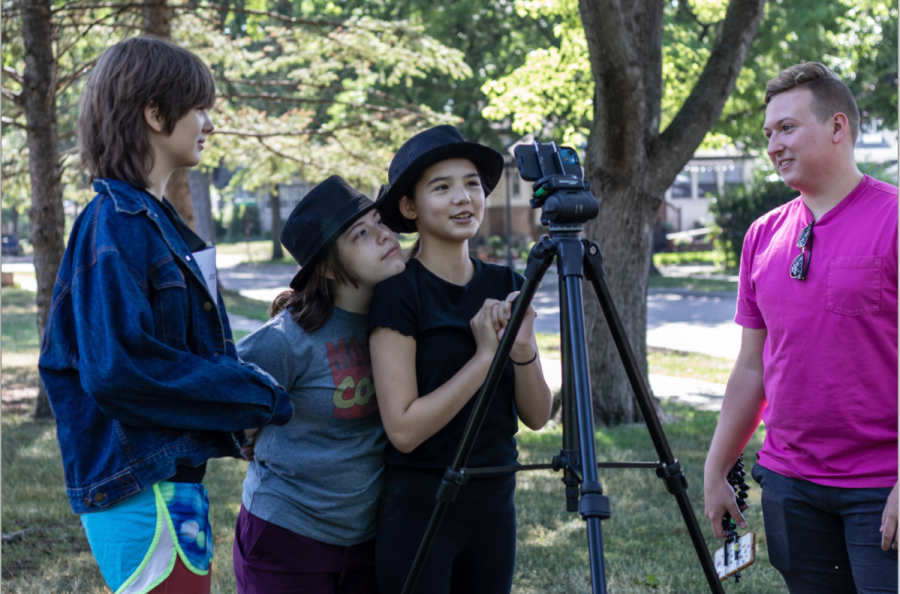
138, 358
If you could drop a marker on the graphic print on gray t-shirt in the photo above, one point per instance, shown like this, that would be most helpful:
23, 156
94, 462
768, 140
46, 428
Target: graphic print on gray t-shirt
320, 475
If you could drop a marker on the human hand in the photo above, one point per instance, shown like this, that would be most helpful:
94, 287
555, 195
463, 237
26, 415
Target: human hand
486, 339
248, 450
720, 498
889, 522
523, 348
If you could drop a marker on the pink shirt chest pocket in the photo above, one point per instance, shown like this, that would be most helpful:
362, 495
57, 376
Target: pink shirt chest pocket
854, 285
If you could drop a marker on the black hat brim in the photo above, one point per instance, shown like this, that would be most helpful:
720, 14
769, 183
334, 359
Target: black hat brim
488, 161
304, 273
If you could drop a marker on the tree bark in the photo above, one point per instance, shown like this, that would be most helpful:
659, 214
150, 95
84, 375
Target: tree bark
46, 212
157, 20
201, 202
275, 207
630, 164
178, 192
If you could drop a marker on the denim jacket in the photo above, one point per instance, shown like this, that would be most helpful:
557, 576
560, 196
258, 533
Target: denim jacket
139, 364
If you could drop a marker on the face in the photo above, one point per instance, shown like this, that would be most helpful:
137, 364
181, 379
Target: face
370, 251
800, 146
183, 146
449, 201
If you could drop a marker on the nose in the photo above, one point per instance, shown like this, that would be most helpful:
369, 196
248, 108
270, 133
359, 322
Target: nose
461, 196
774, 146
208, 126
383, 233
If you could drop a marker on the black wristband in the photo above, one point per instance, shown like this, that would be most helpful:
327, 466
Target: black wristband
529, 362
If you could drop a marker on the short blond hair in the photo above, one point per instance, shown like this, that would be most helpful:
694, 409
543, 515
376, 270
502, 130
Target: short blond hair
830, 94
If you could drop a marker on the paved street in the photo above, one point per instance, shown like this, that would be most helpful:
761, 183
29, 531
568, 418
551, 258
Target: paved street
678, 320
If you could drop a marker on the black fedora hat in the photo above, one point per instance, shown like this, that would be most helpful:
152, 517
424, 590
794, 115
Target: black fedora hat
318, 220
421, 152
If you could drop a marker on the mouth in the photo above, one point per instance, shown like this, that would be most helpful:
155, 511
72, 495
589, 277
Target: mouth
784, 164
463, 217
394, 251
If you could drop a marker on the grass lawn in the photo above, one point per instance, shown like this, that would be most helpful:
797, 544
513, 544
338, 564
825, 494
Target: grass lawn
690, 283
646, 545
645, 542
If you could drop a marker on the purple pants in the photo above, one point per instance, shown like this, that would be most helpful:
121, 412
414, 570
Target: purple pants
269, 559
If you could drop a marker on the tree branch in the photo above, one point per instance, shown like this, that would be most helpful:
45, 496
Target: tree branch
282, 99
6, 121
13, 74
252, 134
14, 97
674, 147
685, 7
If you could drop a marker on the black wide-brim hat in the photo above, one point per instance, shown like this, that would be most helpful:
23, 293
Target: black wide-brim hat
318, 220
421, 152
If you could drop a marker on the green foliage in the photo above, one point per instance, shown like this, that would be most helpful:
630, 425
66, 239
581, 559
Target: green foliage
493, 36
737, 208
880, 171
300, 95
553, 92
238, 226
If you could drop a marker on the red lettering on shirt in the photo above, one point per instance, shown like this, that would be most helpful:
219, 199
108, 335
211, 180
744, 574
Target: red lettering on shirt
351, 369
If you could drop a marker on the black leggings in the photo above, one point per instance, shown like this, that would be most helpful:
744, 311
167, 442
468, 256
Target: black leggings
475, 548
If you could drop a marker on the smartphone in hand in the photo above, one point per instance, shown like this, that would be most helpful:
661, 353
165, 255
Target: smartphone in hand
736, 556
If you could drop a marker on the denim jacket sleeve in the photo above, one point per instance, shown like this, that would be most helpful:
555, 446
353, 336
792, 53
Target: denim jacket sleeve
135, 372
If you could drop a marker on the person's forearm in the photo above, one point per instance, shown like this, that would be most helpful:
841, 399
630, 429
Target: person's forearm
742, 409
533, 397
428, 414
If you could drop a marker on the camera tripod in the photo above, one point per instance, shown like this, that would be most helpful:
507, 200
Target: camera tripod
567, 203
578, 459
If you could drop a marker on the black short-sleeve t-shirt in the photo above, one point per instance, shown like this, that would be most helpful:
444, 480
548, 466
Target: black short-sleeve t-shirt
436, 313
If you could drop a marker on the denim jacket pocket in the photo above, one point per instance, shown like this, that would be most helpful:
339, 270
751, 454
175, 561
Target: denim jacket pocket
854, 285
168, 294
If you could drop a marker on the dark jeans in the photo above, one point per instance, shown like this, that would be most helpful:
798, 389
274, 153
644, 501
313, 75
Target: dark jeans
269, 559
825, 539
475, 549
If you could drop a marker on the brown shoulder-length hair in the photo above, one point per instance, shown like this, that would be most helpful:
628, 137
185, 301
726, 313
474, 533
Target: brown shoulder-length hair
829, 93
129, 76
311, 306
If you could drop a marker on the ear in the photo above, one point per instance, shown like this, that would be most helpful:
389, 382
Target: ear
840, 127
408, 208
153, 118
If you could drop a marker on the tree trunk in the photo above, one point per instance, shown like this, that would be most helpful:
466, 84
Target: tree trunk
178, 191
46, 212
201, 202
158, 21
630, 164
275, 207
157, 18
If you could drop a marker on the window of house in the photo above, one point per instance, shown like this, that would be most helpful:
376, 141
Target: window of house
734, 175
682, 186
706, 182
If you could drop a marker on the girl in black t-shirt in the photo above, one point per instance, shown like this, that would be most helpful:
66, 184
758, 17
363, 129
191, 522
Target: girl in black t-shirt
434, 331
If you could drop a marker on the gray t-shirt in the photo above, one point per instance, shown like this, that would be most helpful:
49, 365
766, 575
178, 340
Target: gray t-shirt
320, 475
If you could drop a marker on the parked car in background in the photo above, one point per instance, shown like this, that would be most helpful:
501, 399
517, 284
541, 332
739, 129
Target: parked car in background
11, 245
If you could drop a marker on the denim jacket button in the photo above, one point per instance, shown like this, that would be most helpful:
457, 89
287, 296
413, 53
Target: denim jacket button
88, 502
207, 306
100, 497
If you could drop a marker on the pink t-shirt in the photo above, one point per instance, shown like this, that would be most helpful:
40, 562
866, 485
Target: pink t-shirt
831, 350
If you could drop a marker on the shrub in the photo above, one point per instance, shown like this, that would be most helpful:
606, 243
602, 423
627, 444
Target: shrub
737, 208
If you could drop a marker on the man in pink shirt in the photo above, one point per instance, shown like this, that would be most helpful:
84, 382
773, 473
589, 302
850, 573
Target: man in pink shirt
818, 362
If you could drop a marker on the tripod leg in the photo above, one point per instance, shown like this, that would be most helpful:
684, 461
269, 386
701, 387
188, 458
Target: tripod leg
671, 472
538, 262
594, 506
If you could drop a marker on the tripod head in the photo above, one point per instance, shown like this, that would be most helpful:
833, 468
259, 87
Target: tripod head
559, 188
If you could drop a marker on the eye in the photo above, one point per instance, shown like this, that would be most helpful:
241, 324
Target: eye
440, 187
360, 233
787, 127
768, 135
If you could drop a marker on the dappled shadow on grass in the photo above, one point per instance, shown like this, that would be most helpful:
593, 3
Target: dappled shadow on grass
20, 390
